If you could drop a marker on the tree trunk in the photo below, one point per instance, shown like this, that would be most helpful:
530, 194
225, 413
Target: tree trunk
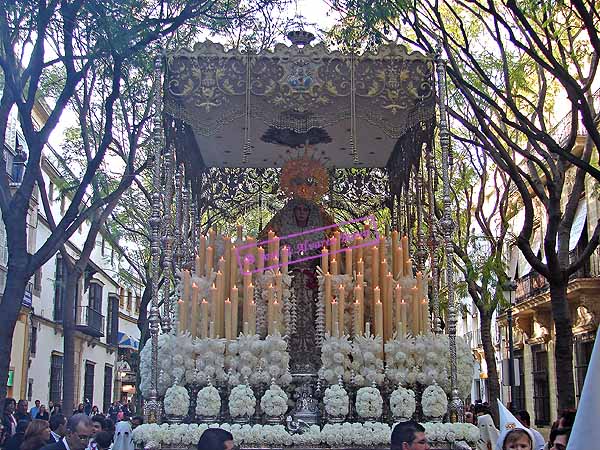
485, 322
69, 315
14, 290
563, 350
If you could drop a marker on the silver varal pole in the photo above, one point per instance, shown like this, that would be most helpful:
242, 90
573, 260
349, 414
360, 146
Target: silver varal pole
152, 406
456, 409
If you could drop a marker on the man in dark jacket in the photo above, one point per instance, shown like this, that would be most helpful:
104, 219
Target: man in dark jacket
58, 428
22, 413
79, 432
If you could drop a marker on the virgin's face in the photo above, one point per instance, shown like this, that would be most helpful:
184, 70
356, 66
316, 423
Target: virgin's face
228, 445
301, 213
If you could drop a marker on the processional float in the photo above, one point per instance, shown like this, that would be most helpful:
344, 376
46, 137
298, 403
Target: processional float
306, 301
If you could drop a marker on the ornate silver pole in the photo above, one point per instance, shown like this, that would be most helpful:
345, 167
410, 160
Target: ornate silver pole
185, 233
152, 407
433, 244
447, 224
178, 253
167, 239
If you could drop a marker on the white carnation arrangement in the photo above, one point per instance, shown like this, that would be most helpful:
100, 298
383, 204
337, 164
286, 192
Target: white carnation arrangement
369, 403
275, 359
242, 358
177, 401
434, 401
208, 402
274, 401
335, 359
366, 362
424, 360
402, 403
451, 432
208, 361
242, 402
368, 434
336, 401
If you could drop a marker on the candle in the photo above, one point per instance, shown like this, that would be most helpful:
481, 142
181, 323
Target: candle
270, 309
187, 284
239, 231
182, 323
341, 306
325, 260
398, 302
403, 313
358, 314
332, 246
408, 268
195, 310
234, 310
334, 266
374, 267
246, 328
419, 277
360, 266
368, 329
214, 294
270, 246
348, 267
252, 318
260, 260
424, 315
379, 319
233, 267
334, 318
397, 262
383, 250
415, 312
227, 265
405, 248
278, 286
276, 250
219, 318
359, 248
284, 259
210, 259
336, 236
212, 237
388, 307
197, 266
211, 330
228, 320
328, 303
360, 280
204, 318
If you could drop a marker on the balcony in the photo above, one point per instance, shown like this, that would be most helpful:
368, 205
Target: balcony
530, 285
89, 321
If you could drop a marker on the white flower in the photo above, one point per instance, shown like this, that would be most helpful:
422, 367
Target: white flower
177, 401
402, 403
242, 401
274, 401
208, 402
369, 403
434, 401
336, 401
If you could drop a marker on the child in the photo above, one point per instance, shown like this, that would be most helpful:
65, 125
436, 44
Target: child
517, 439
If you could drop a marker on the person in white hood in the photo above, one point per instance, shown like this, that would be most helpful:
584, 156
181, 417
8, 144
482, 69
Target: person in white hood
513, 435
123, 439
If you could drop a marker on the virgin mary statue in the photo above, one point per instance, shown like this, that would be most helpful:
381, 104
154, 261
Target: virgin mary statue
304, 227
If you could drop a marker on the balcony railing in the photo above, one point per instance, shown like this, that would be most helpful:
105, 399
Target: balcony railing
90, 321
531, 284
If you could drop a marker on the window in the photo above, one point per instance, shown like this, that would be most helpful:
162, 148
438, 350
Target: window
88, 382
33, 340
59, 289
29, 389
137, 304
37, 281
56, 378
122, 298
541, 395
112, 324
129, 300
102, 247
95, 300
583, 352
108, 387
518, 400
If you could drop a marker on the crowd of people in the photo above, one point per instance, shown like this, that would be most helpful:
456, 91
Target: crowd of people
44, 428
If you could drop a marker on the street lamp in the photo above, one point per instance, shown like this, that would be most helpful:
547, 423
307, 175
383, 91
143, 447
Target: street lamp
510, 289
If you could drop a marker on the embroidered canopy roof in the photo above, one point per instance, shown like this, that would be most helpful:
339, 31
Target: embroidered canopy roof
234, 109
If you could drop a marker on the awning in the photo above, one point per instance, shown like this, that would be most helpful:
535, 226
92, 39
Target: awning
126, 341
578, 224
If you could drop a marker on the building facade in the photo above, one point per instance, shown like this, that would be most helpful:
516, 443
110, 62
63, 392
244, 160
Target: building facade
107, 307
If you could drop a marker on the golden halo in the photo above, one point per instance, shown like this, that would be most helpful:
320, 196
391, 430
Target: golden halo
305, 178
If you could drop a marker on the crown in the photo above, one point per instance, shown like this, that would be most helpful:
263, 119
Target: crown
304, 177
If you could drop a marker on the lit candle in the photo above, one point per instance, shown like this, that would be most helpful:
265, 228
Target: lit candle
336, 236
325, 260
195, 310
405, 248
239, 231
328, 303
379, 319
398, 302
204, 318
415, 311
359, 249
211, 330
374, 267
187, 284
276, 250
260, 260
424, 315
212, 237
383, 250
334, 319
233, 267
408, 268
270, 309
360, 266
278, 286
198, 266
285, 252
234, 311
334, 266
210, 259
388, 306
348, 266
219, 318
341, 306
358, 314
228, 313
202, 255
397, 263
252, 318
214, 294
182, 315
